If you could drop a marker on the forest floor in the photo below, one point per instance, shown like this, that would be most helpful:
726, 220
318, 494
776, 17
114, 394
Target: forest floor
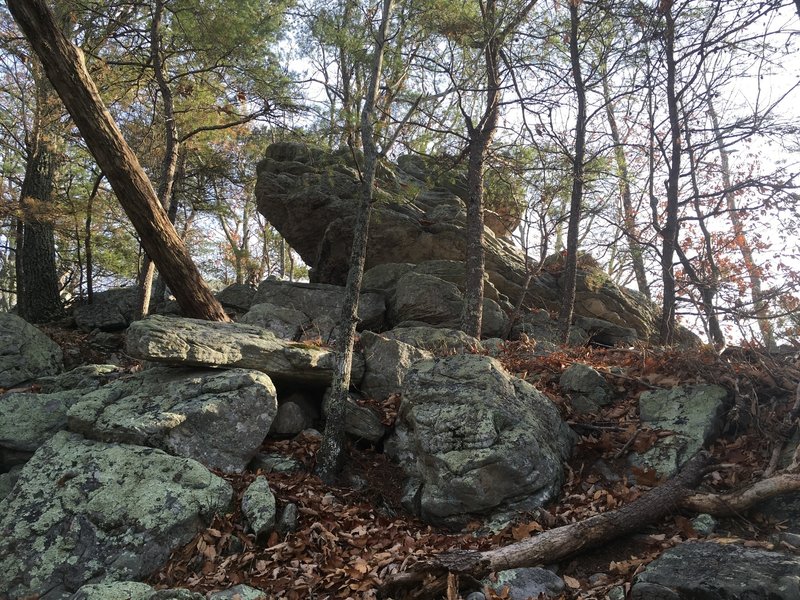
351, 537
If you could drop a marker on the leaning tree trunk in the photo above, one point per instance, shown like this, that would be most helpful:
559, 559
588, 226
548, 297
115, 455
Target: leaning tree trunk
64, 65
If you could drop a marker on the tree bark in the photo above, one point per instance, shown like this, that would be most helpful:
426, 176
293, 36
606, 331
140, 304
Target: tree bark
429, 578
331, 452
552, 545
64, 65
569, 278
671, 225
628, 214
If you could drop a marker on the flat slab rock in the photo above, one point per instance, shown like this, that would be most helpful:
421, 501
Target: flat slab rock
219, 418
86, 511
710, 571
192, 342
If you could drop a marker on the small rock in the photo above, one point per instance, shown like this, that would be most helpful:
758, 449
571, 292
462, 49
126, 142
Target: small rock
528, 583
290, 420
258, 506
239, 592
476, 596
704, 524
288, 520
587, 388
118, 590
273, 462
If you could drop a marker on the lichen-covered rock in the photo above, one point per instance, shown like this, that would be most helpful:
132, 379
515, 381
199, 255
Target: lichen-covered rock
28, 419
25, 352
603, 333
386, 363
258, 507
437, 340
322, 304
475, 440
118, 590
110, 310
718, 572
360, 422
8, 479
694, 413
586, 388
530, 582
239, 592
181, 341
86, 511
219, 418
284, 322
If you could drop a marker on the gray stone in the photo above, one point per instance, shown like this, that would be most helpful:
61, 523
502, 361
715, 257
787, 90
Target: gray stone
694, 413
322, 304
273, 462
704, 524
237, 297
284, 322
386, 363
110, 310
527, 583
718, 572
86, 511
181, 341
361, 422
539, 327
219, 418
258, 507
437, 340
587, 388
118, 590
290, 420
288, 521
28, 419
25, 352
474, 440
239, 592
603, 333
176, 594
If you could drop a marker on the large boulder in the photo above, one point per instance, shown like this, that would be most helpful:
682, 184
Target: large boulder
110, 310
311, 196
438, 340
25, 352
695, 415
475, 440
386, 363
322, 305
219, 418
29, 418
181, 342
719, 572
84, 511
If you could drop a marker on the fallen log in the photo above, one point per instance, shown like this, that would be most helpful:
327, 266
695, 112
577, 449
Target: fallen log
429, 579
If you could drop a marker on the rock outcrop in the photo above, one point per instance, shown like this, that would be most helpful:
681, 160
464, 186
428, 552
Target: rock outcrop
311, 197
475, 441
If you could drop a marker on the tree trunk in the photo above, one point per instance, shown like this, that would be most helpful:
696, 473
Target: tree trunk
38, 299
628, 214
569, 278
670, 230
169, 162
760, 305
331, 452
64, 65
